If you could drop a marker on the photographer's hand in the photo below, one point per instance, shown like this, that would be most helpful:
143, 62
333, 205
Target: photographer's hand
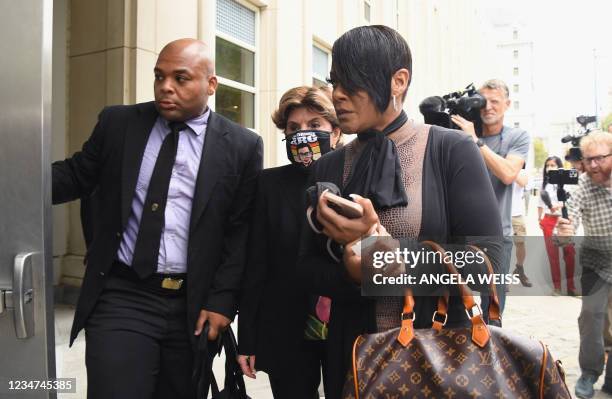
564, 228
563, 232
465, 125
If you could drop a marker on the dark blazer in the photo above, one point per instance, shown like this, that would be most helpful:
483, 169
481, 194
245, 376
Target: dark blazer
458, 206
272, 313
109, 163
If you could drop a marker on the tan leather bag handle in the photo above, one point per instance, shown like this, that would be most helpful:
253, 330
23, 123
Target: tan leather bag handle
480, 332
494, 308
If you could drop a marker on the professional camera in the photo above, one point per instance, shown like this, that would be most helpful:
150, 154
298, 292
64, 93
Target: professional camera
467, 104
574, 152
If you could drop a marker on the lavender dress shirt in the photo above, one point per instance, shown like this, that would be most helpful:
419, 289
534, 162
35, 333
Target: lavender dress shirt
175, 234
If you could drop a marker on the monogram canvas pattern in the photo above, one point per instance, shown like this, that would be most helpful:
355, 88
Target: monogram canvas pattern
446, 364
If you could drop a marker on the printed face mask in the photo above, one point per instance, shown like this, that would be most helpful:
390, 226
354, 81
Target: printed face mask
306, 146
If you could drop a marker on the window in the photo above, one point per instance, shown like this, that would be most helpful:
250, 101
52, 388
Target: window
320, 66
236, 20
515, 53
515, 34
515, 88
517, 124
235, 58
515, 71
235, 62
236, 105
516, 105
367, 9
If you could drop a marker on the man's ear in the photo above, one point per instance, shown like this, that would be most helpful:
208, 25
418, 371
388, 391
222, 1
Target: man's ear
212, 85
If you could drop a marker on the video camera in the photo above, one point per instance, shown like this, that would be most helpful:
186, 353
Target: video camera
466, 103
574, 153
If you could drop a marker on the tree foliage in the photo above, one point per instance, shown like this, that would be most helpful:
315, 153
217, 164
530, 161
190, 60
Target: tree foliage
607, 121
539, 152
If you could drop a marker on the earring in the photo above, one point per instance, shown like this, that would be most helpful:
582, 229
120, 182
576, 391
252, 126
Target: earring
394, 103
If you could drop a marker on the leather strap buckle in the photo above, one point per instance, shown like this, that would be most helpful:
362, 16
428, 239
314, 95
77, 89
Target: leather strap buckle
476, 311
433, 319
408, 316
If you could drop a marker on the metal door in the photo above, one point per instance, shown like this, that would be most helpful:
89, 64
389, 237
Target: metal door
26, 301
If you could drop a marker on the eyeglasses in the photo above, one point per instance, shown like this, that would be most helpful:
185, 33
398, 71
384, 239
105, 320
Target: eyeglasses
597, 159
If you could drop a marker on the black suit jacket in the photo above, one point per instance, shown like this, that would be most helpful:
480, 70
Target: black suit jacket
109, 163
272, 313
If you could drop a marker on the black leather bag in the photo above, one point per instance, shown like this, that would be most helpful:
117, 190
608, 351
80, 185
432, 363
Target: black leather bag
203, 376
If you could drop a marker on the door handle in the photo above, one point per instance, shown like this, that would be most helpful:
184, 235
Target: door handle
20, 297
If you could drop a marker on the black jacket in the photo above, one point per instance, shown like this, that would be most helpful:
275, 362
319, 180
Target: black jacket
109, 164
274, 305
457, 201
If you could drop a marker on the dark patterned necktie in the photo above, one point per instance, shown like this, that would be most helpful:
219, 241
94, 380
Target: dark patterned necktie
146, 250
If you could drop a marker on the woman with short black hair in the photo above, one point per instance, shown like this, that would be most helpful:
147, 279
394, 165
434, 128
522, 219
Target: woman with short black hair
414, 181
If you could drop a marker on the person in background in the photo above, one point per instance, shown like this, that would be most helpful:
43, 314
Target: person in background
549, 211
518, 226
578, 165
504, 150
291, 352
575, 162
591, 206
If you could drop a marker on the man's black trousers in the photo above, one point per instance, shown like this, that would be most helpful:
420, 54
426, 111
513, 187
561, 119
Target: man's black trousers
137, 344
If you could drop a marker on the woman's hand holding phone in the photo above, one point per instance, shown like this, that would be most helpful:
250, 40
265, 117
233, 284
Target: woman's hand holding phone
342, 229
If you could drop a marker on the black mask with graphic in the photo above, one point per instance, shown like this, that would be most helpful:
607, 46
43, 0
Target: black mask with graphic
304, 147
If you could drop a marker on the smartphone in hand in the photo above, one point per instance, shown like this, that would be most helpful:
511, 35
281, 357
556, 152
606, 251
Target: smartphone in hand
342, 206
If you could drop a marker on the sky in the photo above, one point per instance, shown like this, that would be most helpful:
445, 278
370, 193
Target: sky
565, 34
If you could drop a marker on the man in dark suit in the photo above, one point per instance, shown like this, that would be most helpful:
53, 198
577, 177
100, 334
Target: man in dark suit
174, 185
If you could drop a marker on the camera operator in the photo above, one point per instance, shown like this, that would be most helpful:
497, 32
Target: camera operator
504, 150
591, 204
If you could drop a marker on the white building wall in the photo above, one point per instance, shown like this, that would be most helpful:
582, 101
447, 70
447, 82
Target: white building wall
451, 47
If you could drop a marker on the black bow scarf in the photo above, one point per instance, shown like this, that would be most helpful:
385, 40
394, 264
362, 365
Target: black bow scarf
377, 172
